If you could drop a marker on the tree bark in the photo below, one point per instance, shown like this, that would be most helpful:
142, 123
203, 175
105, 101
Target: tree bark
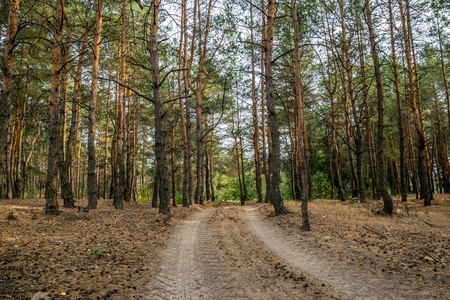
172, 160
399, 109
331, 88
51, 205
164, 199
421, 143
358, 137
444, 74
302, 155
105, 168
92, 162
155, 197
119, 164
211, 164
274, 155
387, 200
240, 149
183, 91
7, 85
201, 83
263, 102
128, 148
258, 180
443, 158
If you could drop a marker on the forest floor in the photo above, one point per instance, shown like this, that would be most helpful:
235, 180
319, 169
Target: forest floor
224, 251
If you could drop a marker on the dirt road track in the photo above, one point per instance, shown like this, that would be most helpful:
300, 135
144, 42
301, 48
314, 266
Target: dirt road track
235, 253
354, 283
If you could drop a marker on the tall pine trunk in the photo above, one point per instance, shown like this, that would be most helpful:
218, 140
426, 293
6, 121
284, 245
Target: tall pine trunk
387, 200
163, 174
421, 143
274, 156
359, 183
119, 165
92, 162
399, 110
7, 86
51, 205
302, 158
258, 180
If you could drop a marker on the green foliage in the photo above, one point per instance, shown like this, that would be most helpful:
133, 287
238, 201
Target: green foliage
81, 195
97, 251
179, 199
145, 194
32, 196
286, 189
229, 188
321, 185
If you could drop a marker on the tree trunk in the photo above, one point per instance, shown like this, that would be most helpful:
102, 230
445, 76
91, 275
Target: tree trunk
183, 91
369, 129
119, 164
443, 158
421, 144
51, 206
127, 150
241, 151
211, 164
387, 200
155, 197
444, 74
7, 85
164, 199
17, 132
302, 158
258, 180
92, 162
399, 109
237, 157
274, 155
105, 168
201, 86
331, 88
67, 180
263, 103
358, 137
30, 153
172, 161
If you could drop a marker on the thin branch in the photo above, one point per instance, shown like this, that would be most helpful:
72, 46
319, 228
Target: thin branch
167, 74
281, 55
332, 127
427, 253
128, 87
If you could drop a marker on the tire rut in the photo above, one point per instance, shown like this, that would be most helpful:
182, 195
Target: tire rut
259, 270
354, 283
192, 267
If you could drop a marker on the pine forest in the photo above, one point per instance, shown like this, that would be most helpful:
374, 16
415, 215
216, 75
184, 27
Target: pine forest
186, 149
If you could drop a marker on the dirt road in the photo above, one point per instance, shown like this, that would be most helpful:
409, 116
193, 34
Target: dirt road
233, 252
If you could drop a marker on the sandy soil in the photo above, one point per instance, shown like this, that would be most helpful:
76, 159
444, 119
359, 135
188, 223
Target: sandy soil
409, 249
53, 254
225, 251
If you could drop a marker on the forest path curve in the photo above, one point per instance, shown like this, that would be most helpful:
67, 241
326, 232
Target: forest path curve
234, 252
350, 281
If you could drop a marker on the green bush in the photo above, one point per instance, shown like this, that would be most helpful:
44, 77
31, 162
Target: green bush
228, 188
179, 199
321, 185
32, 196
145, 194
